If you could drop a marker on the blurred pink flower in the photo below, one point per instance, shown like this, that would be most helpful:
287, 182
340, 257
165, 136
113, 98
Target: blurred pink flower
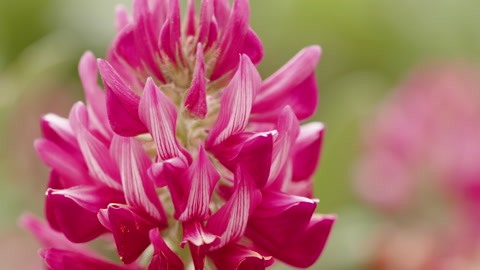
185, 140
422, 153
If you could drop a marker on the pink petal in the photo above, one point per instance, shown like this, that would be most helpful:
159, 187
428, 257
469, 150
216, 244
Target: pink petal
159, 14
169, 169
288, 129
49, 237
190, 20
97, 157
253, 47
171, 32
253, 152
163, 256
206, 16
74, 211
134, 79
199, 240
195, 233
303, 188
121, 18
146, 37
233, 37
237, 257
130, 230
198, 182
159, 114
230, 221
196, 99
198, 253
175, 26
280, 219
57, 130
306, 151
306, 250
294, 84
122, 103
59, 259
54, 182
212, 34
222, 11
94, 95
134, 162
169, 173
124, 47
103, 219
72, 169
236, 103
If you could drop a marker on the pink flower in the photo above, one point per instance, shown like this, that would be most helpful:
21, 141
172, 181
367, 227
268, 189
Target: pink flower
422, 151
187, 146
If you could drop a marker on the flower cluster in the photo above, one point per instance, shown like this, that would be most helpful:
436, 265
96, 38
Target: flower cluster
185, 148
422, 155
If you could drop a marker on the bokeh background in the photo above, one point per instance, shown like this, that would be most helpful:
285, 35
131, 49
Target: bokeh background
369, 46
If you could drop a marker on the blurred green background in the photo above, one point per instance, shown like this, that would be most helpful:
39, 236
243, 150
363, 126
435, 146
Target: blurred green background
368, 47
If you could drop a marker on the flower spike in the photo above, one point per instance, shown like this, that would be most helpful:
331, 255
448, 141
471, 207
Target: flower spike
184, 148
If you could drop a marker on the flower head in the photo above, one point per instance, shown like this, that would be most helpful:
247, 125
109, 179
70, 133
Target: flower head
187, 146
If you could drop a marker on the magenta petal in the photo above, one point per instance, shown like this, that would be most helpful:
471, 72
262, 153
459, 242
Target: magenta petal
121, 18
212, 35
252, 152
256, 158
171, 32
199, 240
49, 237
288, 129
175, 26
236, 103
170, 172
130, 231
195, 233
294, 84
230, 221
72, 169
134, 162
57, 129
134, 79
206, 16
94, 95
190, 22
306, 250
59, 259
159, 14
303, 188
196, 99
125, 48
306, 151
99, 162
233, 38
74, 211
159, 114
103, 218
199, 182
163, 257
237, 257
122, 103
280, 219
253, 47
222, 11
169, 169
146, 38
